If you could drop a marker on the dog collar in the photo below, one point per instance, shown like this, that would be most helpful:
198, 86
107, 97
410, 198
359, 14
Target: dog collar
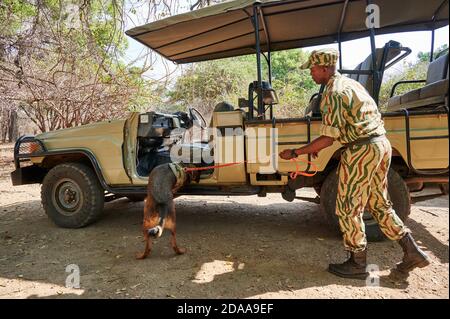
179, 173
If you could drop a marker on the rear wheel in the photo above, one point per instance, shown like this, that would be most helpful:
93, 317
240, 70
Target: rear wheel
72, 195
317, 188
444, 188
397, 191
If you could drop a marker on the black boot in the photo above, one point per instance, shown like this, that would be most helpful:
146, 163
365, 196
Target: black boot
413, 256
354, 267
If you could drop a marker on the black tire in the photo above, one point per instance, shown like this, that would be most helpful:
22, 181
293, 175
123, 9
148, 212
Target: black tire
317, 189
444, 188
72, 195
398, 193
416, 187
136, 198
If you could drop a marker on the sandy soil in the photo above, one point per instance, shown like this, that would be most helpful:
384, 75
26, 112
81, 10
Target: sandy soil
237, 247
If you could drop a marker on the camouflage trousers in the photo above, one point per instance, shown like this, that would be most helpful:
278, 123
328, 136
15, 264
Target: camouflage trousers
363, 175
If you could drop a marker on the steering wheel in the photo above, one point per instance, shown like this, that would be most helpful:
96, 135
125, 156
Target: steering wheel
197, 118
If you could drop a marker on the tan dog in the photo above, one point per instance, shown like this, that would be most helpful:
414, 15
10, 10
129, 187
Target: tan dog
159, 208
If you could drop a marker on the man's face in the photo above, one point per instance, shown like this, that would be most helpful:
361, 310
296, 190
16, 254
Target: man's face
319, 74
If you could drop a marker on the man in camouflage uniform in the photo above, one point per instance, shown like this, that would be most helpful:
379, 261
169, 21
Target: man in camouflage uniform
351, 117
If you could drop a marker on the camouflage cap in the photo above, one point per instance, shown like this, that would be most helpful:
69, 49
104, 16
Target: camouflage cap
323, 57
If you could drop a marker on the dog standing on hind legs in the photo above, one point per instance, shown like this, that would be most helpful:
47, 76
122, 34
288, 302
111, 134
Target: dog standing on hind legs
159, 207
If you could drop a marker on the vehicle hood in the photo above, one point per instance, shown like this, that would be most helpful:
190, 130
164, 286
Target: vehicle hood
95, 129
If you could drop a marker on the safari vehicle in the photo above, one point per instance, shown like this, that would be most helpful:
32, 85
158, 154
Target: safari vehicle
82, 167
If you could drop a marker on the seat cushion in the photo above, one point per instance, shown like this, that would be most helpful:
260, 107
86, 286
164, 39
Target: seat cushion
434, 89
432, 93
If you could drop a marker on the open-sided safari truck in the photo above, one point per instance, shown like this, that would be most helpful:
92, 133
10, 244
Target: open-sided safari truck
82, 167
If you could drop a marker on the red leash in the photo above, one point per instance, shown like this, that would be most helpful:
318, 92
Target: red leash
204, 168
297, 172
293, 175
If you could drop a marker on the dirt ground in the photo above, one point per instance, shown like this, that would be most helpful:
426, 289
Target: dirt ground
237, 247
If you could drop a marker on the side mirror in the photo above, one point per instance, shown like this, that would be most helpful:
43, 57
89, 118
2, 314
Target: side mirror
269, 94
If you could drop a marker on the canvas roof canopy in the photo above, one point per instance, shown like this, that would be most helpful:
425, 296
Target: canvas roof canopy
226, 29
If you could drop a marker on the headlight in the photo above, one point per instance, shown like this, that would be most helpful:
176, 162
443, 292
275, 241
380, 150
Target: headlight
30, 146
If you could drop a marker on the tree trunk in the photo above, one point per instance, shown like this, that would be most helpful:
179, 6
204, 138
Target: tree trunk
3, 125
13, 129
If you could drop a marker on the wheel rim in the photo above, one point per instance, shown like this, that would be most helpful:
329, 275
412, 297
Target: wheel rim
67, 197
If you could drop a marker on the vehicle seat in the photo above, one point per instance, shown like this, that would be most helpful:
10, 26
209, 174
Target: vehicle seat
393, 50
435, 91
313, 108
384, 58
221, 107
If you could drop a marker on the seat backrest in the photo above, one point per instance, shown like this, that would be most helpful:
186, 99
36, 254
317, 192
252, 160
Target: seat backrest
221, 107
384, 56
313, 108
438, 69
355, 76
366, 80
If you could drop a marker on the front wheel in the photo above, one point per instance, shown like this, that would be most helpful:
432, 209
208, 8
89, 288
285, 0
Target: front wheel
398, 194
72, 195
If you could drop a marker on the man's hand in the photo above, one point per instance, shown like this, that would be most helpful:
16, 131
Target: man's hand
288, 154
312, 148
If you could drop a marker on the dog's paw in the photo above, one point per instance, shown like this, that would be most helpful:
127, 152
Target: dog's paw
180, 251
140, 256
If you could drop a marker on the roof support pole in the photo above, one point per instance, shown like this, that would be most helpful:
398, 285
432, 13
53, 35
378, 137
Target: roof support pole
432, 46
374, 59
258, 62
269, 53
270, 78
341, 24
269, 65
269, 46
438, 10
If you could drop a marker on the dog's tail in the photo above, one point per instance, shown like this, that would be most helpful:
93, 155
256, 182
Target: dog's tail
157, 231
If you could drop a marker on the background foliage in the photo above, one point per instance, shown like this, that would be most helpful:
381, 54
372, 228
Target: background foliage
62, 64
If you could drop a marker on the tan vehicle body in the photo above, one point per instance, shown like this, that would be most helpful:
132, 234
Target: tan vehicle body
105, 141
